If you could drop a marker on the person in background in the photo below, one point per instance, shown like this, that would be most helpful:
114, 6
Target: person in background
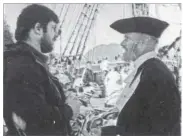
113, 85
34, 101
88, 75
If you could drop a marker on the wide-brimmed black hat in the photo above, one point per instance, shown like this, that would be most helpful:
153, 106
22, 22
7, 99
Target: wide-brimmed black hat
146, 25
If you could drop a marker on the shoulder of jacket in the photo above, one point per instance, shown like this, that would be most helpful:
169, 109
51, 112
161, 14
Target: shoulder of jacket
153, 69
153, 65
17, 53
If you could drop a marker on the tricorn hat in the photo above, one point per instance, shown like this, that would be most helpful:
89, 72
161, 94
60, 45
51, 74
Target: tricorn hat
146, 25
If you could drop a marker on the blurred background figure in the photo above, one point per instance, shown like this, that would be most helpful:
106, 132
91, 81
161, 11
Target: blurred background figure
113, 85
88, 74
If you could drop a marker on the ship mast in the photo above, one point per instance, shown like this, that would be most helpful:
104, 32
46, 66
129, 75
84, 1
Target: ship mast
74, 30
91, 23
85, 29
82, 19
62, 25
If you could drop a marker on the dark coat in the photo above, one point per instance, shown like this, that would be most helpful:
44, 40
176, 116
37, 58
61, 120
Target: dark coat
88, 76
33, 93
155, 106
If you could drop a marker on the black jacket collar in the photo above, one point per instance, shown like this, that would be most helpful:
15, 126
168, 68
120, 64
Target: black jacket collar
24, 47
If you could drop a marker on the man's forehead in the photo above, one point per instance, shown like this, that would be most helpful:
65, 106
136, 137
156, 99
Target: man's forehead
133, 34
136, 35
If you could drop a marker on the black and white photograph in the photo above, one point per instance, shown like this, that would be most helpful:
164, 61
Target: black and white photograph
92, 69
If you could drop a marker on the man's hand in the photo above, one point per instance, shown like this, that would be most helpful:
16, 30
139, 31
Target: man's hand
96, 131
18, 121
75, 104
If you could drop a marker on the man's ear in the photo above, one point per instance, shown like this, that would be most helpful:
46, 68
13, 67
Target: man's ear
38, 29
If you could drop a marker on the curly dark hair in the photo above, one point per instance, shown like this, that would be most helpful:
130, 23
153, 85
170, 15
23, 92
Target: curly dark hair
31, 15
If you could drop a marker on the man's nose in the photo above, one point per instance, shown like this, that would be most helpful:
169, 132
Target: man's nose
124, 45
55, 37
57, 34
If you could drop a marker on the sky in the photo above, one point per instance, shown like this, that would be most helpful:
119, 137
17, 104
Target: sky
100, 32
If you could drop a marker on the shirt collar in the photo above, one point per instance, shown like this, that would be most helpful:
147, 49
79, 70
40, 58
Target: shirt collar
137, 63
144, 58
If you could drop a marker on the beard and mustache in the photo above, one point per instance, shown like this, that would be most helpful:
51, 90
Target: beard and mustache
47, 43
46, 47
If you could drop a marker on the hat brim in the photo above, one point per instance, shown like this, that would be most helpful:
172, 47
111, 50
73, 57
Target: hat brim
147, 25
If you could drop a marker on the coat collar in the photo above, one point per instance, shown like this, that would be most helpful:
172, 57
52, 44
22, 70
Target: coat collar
138, 63
38, 55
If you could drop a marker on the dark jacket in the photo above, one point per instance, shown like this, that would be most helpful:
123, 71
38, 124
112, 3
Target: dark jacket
88, 76
155, 106
33, 93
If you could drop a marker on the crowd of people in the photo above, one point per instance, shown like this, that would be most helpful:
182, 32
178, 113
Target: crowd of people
36, 99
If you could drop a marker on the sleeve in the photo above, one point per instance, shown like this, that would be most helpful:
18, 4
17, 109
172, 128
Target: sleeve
24, 95
111, 130
68, 112
108, 131
67, 109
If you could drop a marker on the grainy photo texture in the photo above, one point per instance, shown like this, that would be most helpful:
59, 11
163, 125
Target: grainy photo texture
92, 69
